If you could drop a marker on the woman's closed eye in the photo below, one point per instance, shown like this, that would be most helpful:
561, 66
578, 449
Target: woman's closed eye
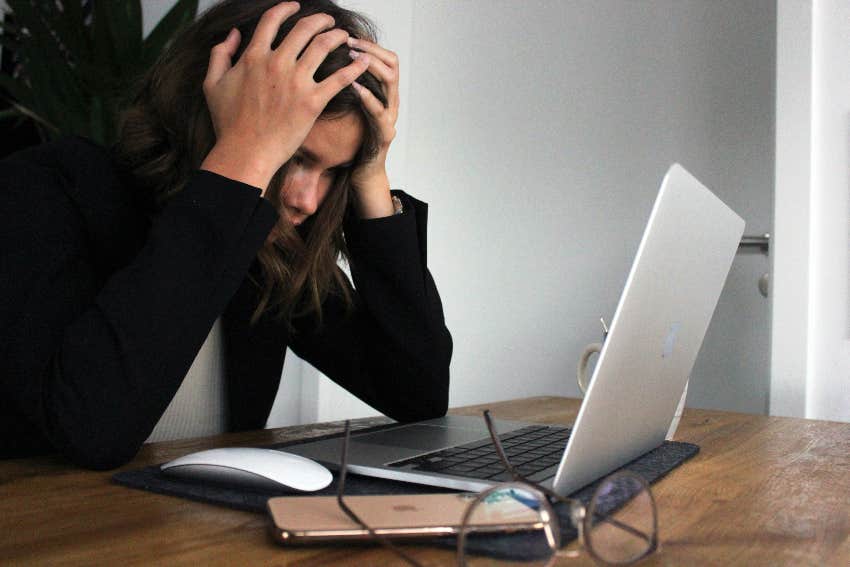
332, 172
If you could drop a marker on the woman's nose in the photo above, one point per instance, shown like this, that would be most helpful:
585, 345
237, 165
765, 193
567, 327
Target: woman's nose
306, 193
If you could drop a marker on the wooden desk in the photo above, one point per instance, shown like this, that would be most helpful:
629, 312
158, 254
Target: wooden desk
762, 491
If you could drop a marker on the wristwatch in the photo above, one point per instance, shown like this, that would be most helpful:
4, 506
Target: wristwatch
398, 208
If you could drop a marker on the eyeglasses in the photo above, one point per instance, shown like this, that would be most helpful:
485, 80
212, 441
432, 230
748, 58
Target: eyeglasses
618, 526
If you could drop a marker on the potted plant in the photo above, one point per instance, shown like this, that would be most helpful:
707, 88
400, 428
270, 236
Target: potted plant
74, 62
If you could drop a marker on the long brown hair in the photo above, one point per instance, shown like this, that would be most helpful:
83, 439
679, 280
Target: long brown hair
167, 132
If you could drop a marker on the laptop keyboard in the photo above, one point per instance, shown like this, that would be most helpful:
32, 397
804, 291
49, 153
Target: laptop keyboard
531, 450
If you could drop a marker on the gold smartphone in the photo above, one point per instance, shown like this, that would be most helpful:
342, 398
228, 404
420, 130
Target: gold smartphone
314, 519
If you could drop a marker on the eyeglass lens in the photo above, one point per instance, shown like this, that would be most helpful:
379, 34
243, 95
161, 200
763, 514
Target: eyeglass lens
509, 524
514, 524
621, 521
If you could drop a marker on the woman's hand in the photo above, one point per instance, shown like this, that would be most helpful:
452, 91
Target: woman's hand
264, 106
370, 178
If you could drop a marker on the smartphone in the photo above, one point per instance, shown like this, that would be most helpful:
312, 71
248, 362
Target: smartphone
314, 519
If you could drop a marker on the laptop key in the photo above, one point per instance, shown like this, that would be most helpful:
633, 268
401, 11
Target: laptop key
545, 474
477, 444
478, 452
478, 473
452, 451
465, 469
529, 469
515, 433
501, 477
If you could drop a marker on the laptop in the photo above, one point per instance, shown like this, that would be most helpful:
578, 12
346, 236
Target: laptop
661, 319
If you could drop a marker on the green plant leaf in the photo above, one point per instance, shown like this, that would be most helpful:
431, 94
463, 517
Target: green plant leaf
117, 26
7, 25
9, 113
50, 87
73, 74
27, 113
105, 53
16, 90
181, 14
124, 19
7, 41
97, 131
56, 88
70, 28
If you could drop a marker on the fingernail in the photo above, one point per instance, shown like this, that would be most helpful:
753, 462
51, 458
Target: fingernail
353, 54
352, 41
357, 86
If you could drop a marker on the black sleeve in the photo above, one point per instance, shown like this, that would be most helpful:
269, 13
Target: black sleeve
392, 350
90, 360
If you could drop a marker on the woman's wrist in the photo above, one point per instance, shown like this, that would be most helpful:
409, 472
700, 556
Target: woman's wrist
239, 165
372, 197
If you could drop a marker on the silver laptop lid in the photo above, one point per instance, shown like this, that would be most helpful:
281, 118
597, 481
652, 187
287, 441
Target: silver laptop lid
675, 281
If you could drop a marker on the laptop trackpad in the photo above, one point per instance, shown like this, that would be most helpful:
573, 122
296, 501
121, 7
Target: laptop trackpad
421, 437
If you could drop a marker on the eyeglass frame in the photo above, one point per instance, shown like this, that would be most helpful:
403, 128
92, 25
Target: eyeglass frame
578, 510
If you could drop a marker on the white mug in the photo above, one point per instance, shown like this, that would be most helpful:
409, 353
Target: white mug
581, 370
584, 381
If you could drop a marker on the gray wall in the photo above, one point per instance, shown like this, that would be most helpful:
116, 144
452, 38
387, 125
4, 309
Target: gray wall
539, 133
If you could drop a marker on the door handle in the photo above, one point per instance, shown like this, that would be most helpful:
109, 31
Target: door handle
763, 244
751, 241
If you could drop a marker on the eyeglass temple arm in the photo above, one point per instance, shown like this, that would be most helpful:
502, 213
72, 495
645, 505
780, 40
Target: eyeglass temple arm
500, 450
343, 470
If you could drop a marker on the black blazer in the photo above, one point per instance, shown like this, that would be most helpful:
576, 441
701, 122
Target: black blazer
104, 304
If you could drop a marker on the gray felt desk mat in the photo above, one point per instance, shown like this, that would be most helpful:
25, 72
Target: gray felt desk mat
652, 466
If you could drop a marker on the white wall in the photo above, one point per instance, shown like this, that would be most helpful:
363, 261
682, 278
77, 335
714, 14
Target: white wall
792, 220
811, 358
540, 133
828, 384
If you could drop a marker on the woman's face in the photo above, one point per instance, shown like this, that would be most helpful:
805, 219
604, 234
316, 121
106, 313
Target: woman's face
330, 147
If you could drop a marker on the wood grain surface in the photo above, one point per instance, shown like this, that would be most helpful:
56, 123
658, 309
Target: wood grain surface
762, 491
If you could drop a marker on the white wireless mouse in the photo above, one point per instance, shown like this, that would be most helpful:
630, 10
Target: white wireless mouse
251, 467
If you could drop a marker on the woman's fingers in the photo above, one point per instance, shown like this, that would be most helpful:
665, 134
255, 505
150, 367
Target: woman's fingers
221, 58
319, 49
370, 101
300, 35
377, 67
385, 117
385, 55
269, 25
384, 65
342, 78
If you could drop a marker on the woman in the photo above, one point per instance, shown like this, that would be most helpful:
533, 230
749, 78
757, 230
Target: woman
252, 157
